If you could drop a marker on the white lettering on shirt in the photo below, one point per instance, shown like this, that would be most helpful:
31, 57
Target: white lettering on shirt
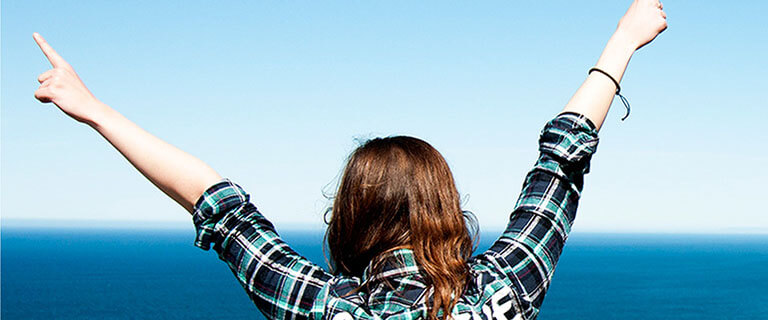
343, 316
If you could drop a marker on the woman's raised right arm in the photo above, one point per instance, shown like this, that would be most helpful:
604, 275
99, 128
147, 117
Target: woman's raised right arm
643, 21
529, 249
178, 174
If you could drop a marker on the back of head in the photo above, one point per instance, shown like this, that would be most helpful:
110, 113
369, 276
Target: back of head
399, 192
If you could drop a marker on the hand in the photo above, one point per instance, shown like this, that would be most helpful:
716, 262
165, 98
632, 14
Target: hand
63, 87
644, 20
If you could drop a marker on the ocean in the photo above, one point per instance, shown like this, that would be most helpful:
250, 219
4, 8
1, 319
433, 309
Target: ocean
159, 274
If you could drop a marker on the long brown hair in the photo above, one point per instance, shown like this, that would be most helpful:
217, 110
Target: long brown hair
399, 192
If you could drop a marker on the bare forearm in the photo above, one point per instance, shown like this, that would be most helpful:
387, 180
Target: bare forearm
644, 20
178, 174
594, 97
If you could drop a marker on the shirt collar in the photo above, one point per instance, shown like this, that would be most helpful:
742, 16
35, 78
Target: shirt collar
397, 263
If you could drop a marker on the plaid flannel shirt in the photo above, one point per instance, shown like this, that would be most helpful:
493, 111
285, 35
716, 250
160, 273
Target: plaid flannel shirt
508, 281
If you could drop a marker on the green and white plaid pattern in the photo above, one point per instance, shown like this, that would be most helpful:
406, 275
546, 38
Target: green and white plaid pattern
508, 281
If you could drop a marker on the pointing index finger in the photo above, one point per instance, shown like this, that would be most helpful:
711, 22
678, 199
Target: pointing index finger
54, 58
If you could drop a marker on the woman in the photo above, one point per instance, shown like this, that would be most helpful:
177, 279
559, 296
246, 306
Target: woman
399, 241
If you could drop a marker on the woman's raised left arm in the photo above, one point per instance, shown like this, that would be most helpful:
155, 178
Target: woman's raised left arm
178, 174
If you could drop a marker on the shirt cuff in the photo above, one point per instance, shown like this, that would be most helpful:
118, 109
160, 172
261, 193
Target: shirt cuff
215, 203
569, 137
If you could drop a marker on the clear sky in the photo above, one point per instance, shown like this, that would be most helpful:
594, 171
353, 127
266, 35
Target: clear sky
274, 95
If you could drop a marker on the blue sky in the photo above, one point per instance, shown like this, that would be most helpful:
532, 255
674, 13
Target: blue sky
274, 95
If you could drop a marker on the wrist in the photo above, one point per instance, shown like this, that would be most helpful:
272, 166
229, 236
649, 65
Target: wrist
100, 114
623, 40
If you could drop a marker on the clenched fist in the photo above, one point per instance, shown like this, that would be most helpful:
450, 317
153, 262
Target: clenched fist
63, 87
644, 20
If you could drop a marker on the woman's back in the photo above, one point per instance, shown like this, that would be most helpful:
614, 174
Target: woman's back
508, 280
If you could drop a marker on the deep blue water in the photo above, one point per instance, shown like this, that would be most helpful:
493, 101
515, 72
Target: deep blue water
120, 274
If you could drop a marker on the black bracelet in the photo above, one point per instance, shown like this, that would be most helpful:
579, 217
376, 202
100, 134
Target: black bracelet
618, 89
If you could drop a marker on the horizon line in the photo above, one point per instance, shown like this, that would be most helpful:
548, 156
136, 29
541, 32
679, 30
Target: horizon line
14, 223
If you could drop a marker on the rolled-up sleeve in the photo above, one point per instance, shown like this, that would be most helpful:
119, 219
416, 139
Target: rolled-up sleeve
221, 198
530, 246
282, 283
